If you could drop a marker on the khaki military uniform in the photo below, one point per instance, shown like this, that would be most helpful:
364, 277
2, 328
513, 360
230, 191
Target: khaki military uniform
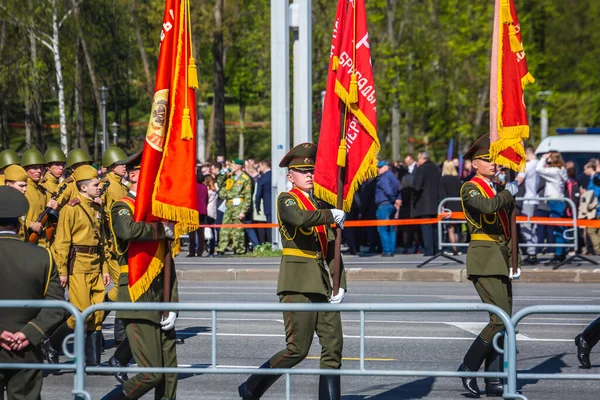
237, 192
79, 240
26, 272
150, 345
37, 196
2, 180
70, 193
115, 191
50, 183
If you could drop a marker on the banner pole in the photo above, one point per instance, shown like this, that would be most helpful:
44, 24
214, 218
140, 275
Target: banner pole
167, 277
514, 244
339, 205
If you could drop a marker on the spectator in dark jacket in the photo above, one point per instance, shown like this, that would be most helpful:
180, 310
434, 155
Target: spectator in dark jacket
263, 196
388, 201
196, 245
450, 187
426, 199
368, 211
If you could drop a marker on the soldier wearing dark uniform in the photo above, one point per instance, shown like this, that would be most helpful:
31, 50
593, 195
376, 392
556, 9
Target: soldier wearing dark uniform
150, 336
487, 210
305, 278
8, 157
26, 272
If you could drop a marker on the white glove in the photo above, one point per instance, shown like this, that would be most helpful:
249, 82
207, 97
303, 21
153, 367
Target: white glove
512, 187
339, 297
339, 217
515, 277
169, 229
168, 323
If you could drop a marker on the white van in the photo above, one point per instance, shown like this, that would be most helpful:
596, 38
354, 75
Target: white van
572, 147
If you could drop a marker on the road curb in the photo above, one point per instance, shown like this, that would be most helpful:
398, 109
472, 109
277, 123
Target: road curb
458, 275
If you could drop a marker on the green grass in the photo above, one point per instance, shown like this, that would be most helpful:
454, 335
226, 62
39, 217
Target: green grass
264, 250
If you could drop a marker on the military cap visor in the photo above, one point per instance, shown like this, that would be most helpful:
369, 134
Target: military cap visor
15, 173
134, 161
480, 149
13, 204
301, 157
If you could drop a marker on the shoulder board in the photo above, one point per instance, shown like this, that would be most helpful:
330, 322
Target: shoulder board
74, 202
128, 200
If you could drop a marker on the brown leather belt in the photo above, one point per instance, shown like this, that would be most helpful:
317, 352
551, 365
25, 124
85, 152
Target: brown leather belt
86, 249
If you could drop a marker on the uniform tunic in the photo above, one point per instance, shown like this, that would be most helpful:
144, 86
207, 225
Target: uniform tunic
51, 184
37, 197
26, 272
488, 255
150, 345
305, 278
80, 224
237, 192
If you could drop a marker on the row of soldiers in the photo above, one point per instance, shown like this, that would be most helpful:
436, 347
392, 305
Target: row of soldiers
68, 213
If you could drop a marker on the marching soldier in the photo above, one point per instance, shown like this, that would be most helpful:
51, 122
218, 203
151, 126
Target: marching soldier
34, 164
8, 157
585, 341
55, 160
75, 159
308, 247
151, 337
114, 160
26, 272
80, 251
16, 177
237, 192
487, 210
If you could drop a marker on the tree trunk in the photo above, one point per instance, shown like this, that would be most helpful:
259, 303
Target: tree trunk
88, 60
142, 49
3, 108
219, 81
35, 97
242, 144
28, 121
59, 80
210, 137
80, 138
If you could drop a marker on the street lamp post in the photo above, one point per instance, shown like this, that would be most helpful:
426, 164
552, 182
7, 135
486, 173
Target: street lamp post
200, 136
103, 97
114, 128
543, 95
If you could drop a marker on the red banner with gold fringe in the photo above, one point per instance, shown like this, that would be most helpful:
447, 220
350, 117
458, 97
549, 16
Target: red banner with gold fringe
508, 78
349, 100
167, 185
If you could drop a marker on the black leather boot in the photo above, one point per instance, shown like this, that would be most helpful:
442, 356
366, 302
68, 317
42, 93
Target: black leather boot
93, 349
586, 341
116, 394
475, 356
329, 387
53, 345
119, 330
256, 385
121, 358
494, 387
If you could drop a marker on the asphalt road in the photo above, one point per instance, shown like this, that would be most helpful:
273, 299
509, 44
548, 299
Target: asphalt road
395, 341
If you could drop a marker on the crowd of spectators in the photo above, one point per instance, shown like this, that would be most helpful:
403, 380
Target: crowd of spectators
413, 189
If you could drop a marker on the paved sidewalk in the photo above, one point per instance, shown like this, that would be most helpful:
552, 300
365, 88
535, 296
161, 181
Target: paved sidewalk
401, 268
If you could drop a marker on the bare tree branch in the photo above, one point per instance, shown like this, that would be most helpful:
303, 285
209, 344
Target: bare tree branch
69, 13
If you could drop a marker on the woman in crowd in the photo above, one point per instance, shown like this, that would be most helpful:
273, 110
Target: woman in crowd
211, 211
450, 187
551, 167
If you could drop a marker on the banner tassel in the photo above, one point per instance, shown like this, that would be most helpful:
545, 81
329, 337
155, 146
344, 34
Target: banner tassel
192, 74
341, 158
335, 63
353, 91
515, 45
505, 14
186, 125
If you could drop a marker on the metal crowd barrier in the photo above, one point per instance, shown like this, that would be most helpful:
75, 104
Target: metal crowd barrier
569, 234
78, 354
509, 373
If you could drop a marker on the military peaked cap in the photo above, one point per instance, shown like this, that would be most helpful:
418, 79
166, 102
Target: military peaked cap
301, 157
480, 149
13, 204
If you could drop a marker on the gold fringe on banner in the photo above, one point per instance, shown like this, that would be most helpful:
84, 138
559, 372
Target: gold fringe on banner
192, 74
526, 80
505, 14
515, 45
335, 63
154, 269
510, 136
342, 154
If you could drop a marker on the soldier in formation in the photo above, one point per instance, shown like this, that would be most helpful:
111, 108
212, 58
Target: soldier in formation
8, 157
487, 209
26, 272
16, 177
154, 344
304, 277
237, 194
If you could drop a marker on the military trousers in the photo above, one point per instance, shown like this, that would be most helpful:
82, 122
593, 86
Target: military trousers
300, 328
85, 290
235, 235
151, 347
21, 384
495, 290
